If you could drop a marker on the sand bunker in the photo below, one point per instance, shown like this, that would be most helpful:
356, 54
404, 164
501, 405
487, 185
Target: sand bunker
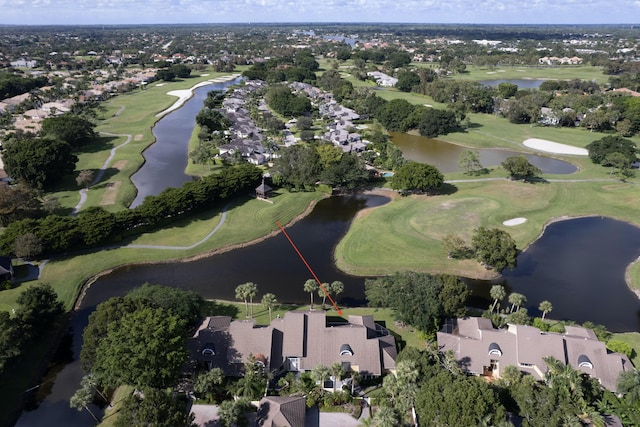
514, 221
554, 147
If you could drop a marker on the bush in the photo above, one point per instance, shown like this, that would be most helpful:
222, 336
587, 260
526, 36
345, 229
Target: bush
618, 346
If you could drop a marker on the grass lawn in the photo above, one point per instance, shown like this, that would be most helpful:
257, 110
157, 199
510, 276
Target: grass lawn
67, 274
564, 72
633, 339
131, 114
407, 233
110, 415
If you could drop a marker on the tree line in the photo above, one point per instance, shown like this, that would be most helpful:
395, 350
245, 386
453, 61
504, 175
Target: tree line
96, 226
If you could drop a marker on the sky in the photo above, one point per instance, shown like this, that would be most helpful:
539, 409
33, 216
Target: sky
108, 12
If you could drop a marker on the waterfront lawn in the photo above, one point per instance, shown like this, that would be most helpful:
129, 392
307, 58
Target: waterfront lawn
406, 234
633, 339
247, 219
133, 114
111, 414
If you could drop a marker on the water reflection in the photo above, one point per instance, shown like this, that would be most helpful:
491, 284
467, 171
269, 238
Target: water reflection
166, 159
444, 155
522, 83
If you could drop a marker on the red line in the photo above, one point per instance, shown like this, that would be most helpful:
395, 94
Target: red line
309, 268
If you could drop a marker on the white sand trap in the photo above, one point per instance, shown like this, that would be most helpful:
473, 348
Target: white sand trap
491, 72
183, 95
554, 147
160, 84
205, 75
514, 221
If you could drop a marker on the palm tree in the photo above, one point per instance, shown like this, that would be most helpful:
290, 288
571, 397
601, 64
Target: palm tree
208, 382
337, 372
516, 300
269, 300
242, 293
498, 293
81, 400
386, 416
545, 307
252, 291
89, 381
323, 291
629, 385
320, 373
337, 287
311, 286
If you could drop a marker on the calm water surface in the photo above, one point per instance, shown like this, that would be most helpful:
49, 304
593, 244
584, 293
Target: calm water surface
522, 83
166, 159
444, 155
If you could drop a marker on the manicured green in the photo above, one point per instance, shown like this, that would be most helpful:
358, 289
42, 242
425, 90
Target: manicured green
564, 72
407, 233
633, 339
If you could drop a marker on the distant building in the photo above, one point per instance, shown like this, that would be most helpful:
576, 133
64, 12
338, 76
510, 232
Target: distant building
482, 349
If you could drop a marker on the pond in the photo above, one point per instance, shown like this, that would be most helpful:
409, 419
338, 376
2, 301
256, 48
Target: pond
522, 83
166, 159
582, 279
444, 155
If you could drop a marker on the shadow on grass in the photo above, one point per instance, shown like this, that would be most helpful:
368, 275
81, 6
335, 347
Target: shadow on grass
215, 308
100, 144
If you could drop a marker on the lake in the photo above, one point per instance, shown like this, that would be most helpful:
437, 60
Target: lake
522, 83
444, 155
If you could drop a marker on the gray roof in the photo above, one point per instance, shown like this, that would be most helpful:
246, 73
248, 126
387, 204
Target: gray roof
525, 347
282, 411
303, 335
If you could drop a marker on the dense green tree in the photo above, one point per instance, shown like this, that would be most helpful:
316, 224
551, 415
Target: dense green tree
183, 303
348, 173
144, 348
393, 114
298, 166
96, 225
154, 407
213, 120
414, 176
39, 162
453, 296
10, 338
284, 102
38, 309
434, 122
81, 399
494, 248
516, 300
628, 384
17, 202
598, 150
407, 80
458, 400
180, 70
520, 168
507, 90
70, 128
105, 314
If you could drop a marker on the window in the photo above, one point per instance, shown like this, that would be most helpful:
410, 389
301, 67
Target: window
345, 350
494, 349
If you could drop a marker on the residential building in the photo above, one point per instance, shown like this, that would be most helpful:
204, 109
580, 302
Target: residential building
481, 349
297, 342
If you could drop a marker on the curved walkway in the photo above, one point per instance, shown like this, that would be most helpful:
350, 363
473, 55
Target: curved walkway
184, 248
83, 192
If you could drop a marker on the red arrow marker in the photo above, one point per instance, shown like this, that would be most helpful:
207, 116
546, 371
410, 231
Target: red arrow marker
309, 268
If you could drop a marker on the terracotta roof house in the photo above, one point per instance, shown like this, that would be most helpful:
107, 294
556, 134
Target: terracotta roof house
483, 350
299, 341
6, 268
